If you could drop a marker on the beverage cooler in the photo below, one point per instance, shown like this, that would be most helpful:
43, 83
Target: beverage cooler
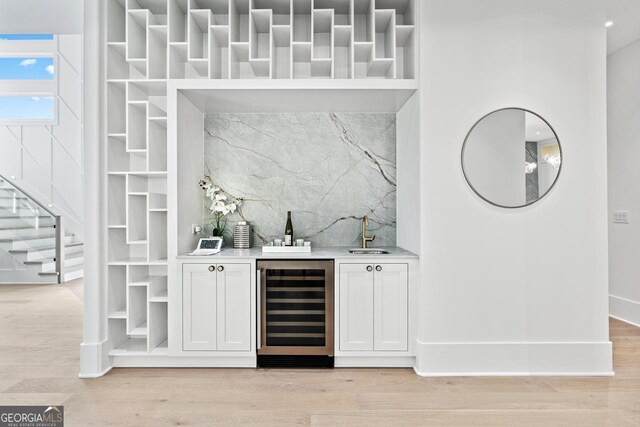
295, 313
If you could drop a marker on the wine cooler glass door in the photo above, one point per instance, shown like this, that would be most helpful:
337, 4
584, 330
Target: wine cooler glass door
296, 307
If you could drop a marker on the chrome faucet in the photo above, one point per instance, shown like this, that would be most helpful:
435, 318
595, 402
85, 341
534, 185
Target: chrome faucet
366, 239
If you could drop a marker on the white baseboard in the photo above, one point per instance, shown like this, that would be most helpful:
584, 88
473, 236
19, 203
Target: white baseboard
184, 362
94, 359
514, 359
91, 375
251, 362
514, 374
374, 361
624, 310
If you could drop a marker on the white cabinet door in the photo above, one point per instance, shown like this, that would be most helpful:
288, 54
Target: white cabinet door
198, 307
356, 307
391, 286
234, 307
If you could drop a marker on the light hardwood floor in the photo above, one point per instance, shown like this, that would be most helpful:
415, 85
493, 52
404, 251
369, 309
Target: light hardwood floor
41, 330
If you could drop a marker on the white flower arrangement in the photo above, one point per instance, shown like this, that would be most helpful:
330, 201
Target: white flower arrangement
222, 204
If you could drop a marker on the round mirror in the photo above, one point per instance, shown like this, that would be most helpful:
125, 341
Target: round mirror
511, 158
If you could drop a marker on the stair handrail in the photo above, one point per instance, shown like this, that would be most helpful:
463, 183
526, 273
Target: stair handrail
59, 226
29, 196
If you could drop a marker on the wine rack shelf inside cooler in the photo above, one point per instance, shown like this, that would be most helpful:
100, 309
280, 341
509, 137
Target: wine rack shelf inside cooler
295, 308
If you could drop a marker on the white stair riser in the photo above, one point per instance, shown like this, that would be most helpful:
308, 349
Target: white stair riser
32, 278
28, 244
25, 221
69, 275
35, 243
26, 232
6, 208
25, 275
6, 204
73, 275
51, 266
49, 253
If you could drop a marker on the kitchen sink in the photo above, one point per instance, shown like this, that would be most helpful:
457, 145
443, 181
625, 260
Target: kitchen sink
368, 251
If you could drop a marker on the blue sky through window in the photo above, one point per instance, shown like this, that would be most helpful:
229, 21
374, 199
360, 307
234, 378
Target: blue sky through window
26, 69
26, 36
17, 108
26, 108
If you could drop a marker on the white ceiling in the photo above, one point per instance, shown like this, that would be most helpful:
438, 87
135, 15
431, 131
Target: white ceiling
625, 15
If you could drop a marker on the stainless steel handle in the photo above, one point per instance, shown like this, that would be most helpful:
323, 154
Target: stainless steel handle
378, 268
211, 268
259, 310
220, 268
369, 268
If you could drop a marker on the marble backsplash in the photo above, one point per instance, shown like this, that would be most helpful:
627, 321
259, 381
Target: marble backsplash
328, 169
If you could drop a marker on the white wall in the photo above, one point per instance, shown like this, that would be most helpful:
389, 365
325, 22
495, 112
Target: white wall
47, 161
408, 188
185, 142
494, 160
190, 162
41, 16
525, 290
624, 176
94, 350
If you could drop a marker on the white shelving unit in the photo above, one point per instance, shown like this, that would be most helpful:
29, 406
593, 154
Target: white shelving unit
137, 51
151, 41
245, 39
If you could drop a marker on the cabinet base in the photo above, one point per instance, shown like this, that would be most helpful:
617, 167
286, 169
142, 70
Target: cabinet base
281, 361
371, 361
182, 361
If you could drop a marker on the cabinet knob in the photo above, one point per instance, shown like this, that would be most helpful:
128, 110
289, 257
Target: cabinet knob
220, 268
211, 268
378, 268
369, 268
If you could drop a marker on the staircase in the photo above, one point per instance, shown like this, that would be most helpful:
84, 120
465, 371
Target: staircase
29, 241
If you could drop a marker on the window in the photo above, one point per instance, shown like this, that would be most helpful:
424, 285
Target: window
26, 36
26, 68
23, 108
27, 79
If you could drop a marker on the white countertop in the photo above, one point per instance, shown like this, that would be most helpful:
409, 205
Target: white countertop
320, 252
